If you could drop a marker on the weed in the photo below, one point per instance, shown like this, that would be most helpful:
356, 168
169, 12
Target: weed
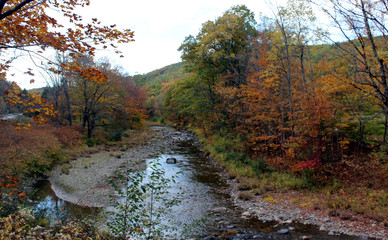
91, 142
270, 200
245, 195
260, 166
65, 169
36, 166
142, 203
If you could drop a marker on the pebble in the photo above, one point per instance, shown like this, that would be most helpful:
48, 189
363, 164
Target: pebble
283, 231
246, 215
219, 210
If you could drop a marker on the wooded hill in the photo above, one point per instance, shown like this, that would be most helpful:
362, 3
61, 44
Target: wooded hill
158, 79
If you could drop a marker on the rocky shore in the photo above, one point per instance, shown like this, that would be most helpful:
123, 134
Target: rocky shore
86, 184
284, 213
86, 181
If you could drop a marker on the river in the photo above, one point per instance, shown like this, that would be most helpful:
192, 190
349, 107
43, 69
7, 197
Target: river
205, 195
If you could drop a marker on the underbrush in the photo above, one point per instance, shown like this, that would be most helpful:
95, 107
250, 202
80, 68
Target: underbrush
24, 225
34, 151
352, 186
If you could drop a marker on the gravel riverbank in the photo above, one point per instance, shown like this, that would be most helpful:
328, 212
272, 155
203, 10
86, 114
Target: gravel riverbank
285, 213
86, 182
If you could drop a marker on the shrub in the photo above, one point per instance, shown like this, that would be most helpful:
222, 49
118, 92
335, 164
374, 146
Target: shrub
54, 155
260, 166
219, 149
231, 156
143, 203
245, 195
36, 166
68, 137
91, 142
65, 169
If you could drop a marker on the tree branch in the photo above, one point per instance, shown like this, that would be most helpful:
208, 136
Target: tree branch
12, 10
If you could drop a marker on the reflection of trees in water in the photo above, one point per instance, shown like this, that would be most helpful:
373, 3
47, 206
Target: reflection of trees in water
57, 210
54, 209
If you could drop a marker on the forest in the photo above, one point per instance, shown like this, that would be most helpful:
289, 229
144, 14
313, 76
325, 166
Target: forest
279, 103
282, 107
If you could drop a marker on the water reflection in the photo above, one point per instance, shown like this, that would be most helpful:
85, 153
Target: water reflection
202, 189
57, 210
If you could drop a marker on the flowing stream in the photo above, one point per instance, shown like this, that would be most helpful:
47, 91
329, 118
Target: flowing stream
206, 201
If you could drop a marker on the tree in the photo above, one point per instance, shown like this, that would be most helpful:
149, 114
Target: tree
100, 104
90, 98
27, 26
362, 24
58, 84
291, 28
219, 57
222, 47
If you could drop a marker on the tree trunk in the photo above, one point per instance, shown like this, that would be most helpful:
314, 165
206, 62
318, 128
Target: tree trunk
385, 127
302, 64
56, 96
68, 103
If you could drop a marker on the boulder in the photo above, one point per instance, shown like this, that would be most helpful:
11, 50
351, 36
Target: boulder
171, 160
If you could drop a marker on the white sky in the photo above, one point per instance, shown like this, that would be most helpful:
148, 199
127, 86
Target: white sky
160, 28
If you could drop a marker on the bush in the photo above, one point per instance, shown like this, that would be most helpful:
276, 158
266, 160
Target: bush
36, 166
54, 155
65, 169
310, 179
231, 156
115, 135
91, 142
68, 137
143, 203
260, 166
219, 149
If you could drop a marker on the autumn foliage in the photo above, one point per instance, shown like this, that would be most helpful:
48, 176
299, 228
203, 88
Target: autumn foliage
266, 91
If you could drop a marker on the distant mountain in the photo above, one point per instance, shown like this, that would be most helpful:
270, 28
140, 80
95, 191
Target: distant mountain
154, 81
36, 90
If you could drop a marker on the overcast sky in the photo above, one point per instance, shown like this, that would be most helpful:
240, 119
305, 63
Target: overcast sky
160, 27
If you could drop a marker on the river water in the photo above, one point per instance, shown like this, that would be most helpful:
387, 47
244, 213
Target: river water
205, 205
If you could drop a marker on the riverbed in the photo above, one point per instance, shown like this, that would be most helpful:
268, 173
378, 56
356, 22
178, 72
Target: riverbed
206, 201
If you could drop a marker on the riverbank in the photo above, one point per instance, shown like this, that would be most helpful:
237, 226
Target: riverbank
84, 181
88, 186
287, 207
279, 207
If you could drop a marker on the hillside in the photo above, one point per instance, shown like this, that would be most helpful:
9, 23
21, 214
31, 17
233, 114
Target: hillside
154, 81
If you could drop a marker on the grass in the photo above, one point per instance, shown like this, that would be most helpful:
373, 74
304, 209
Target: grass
245, 195
65, 169
357, 186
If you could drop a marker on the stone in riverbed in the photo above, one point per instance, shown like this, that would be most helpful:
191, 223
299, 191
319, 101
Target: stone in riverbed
283, 231
171, 160
322, 228
246, 215
219, 210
